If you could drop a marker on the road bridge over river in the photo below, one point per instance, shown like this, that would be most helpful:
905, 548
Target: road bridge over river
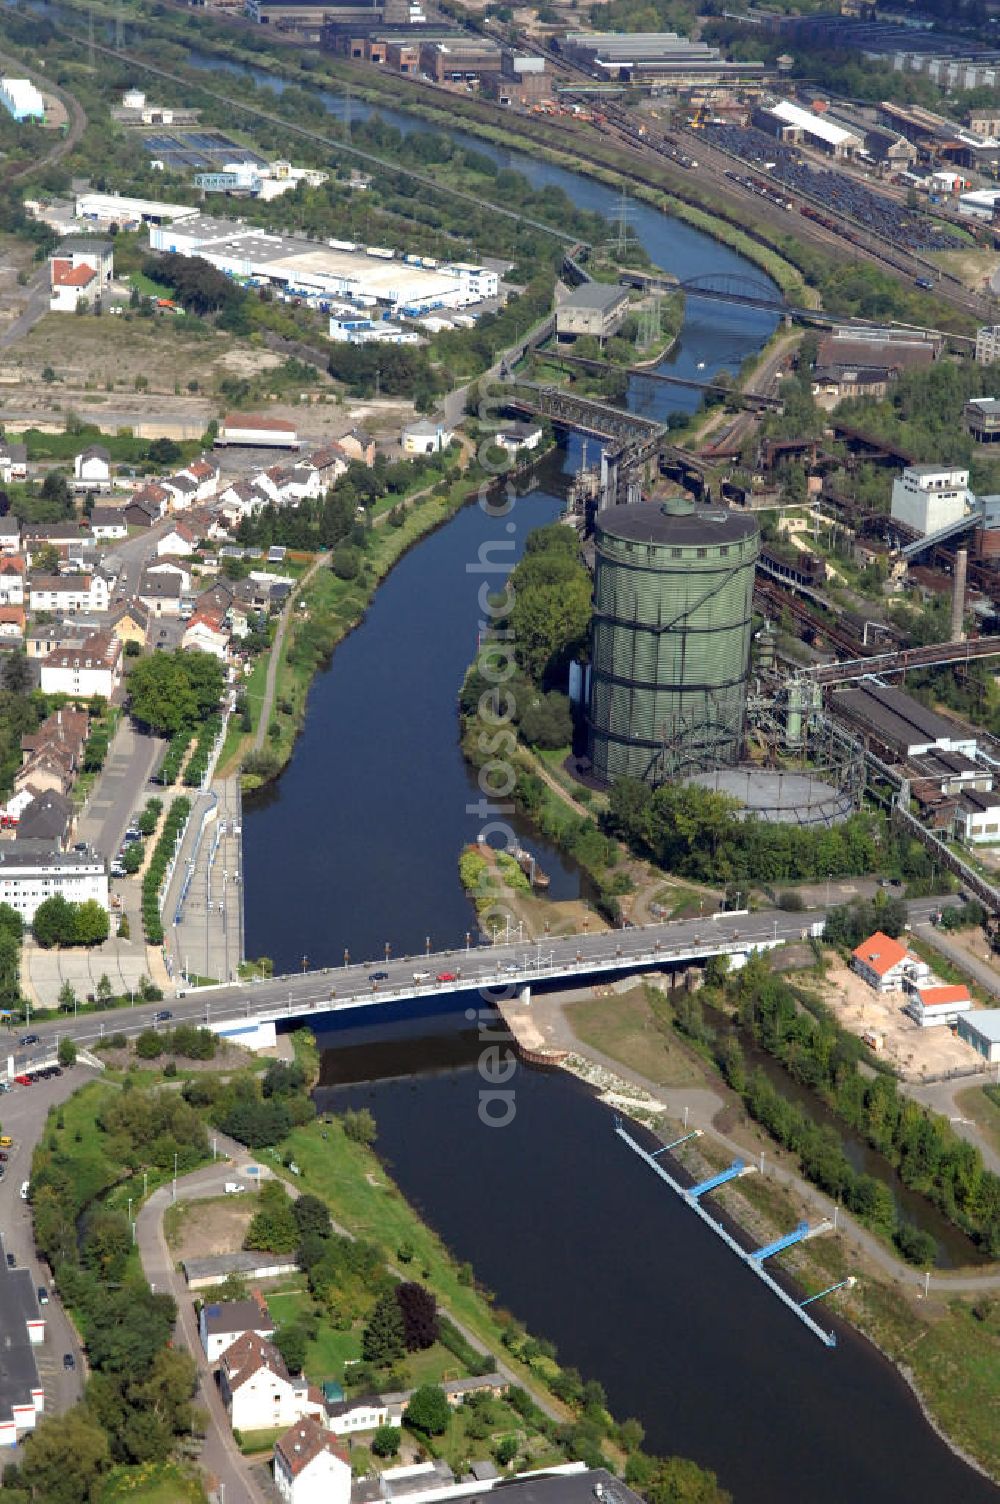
249, 1012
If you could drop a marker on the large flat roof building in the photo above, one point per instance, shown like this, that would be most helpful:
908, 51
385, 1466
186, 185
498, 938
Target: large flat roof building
903, 726
22, 1328
32, 871
595, 308
651, 55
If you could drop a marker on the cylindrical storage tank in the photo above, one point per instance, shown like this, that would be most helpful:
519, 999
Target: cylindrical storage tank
673, 591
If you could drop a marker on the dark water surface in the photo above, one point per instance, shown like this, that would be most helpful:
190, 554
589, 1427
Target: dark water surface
580, 1241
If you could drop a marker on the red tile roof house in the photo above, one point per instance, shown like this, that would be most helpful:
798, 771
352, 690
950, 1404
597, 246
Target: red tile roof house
938, 1004
886, 964
70, 283
311, 1466
257, 1389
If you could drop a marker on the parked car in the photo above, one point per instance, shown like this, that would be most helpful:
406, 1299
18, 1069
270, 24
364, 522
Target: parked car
447, 976
11, 1261
421, 976
43, 1296
68, 1361
378, 976
233, 1188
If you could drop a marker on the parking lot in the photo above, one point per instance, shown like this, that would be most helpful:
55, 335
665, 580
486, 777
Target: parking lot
23, 1111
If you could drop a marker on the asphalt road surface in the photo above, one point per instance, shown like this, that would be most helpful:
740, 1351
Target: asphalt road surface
121, 789
479, 968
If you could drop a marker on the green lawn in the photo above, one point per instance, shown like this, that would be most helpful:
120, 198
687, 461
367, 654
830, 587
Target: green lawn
627, 1029
152, 1483
260, 1441
148, 287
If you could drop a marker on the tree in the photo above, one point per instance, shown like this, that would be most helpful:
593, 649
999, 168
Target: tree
67, 997
103, 991
54, 922
48, 1449
46, 558
359, 1126
273, 1226
291, 1344
168, 691
66, 1053
312, 1216
55, 487
90, 923
420, 1319
676, 1480
383, 1339
385, 1442
428, 1410
505, 1450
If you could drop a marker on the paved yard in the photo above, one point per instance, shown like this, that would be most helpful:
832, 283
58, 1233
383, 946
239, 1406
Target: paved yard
45, 971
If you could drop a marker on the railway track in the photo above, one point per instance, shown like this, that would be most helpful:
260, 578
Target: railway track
775, 600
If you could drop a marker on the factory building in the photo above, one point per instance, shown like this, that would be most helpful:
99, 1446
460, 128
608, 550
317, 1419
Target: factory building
21, 99
929, 497
522, 80
311, 270
652, 56
594, 308
899, 724
981, 1029
673, 592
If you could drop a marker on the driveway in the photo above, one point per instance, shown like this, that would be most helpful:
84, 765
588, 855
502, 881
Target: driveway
220, 1456
23, 1111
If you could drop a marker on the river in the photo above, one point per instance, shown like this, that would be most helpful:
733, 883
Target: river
580, 1241
356, 846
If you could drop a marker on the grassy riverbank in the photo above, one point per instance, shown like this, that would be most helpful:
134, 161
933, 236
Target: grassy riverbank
948, 1347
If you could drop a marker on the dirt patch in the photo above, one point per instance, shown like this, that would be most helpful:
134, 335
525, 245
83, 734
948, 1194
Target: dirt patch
249, 362
916, 1052
228, 1057
205, 1228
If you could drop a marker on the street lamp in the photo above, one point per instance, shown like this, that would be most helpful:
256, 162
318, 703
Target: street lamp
174, 1197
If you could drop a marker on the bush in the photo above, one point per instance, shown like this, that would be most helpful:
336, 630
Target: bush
385, 1442
67, 1052
428, 1410
149, 1045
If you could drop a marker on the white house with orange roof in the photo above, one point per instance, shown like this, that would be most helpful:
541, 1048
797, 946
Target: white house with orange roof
12, 580
937, 1003
257, 1389
80, 270
886, 964
206, 633
311, 1466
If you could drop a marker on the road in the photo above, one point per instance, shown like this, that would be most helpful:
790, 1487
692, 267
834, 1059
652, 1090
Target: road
220, 1455
276, 649
35, 308
472, 967
23, 1112
980, 969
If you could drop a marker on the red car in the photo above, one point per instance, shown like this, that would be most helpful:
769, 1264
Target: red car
447, 976
23, 1080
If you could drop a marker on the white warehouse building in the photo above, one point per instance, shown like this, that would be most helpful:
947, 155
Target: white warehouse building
308, 269
32, 871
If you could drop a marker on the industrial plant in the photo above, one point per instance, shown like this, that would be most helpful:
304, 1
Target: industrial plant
673, 596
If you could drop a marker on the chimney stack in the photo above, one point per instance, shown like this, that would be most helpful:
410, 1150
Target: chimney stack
958, 595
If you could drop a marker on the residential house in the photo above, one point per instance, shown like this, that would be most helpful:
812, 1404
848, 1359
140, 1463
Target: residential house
92, 669
50, 817
170, 566
365, 1413
58, 535
92, 469
61, 728
426, 436
937, 1003
12, 624
160, 593
301, 482
206, 633
81, 268
331, 463
68, 593
222, 1322
357, 444
11, 580
147, 505
44, 637
885, 964
257, 1389
130, 623
13, 462
179, 542
183, 492
107, 523
244, 497
50, 769
217, 599
205, 474
10, 534
311, 1466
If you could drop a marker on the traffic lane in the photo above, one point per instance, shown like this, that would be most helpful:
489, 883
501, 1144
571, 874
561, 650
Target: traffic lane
23, 1111
473, 967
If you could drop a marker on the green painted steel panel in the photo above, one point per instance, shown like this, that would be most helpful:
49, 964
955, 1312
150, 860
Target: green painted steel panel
670, 640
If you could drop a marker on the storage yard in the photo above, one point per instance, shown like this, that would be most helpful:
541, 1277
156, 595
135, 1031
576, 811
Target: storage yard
841, 194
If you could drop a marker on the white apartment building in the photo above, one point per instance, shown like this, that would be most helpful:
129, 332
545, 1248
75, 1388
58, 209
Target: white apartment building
32, 871
68, 594
929, 497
